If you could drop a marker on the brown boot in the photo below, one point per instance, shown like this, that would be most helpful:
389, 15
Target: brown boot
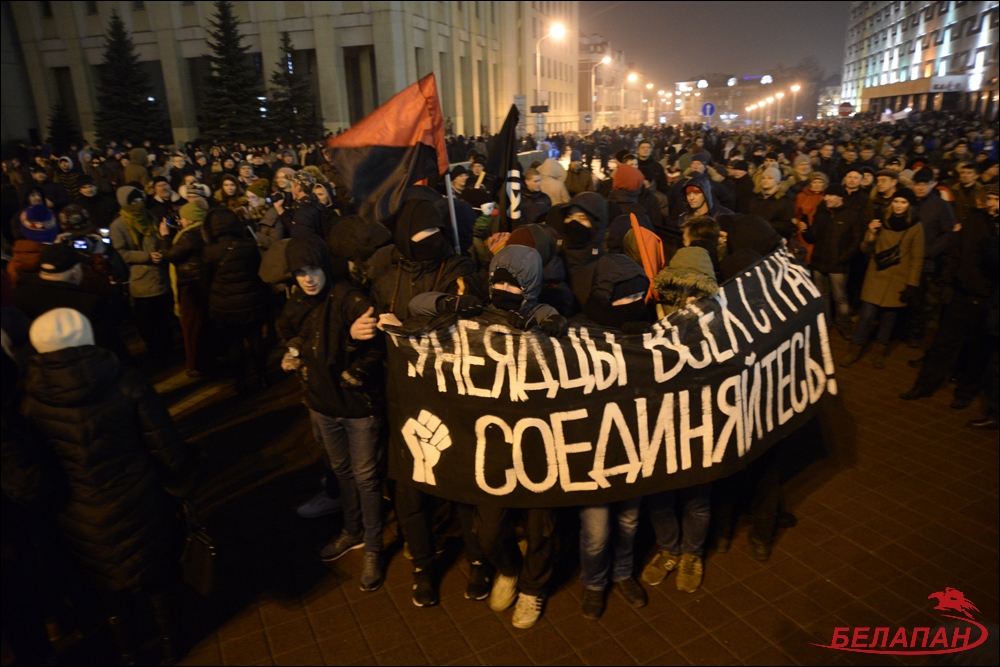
853, 354
878, 355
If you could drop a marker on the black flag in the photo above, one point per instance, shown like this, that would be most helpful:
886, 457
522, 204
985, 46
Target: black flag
505, 169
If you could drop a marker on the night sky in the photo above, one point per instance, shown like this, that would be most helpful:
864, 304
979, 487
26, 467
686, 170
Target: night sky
674, 41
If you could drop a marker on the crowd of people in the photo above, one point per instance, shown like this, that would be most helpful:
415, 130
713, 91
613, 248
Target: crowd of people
231, 252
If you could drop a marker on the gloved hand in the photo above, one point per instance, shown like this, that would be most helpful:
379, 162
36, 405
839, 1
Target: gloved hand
464, 306
555, 325
353, 378
516, 320
636, 327
908, 294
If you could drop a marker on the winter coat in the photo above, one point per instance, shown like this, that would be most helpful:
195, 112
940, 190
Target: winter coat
937, 219
319, 328
653, 172
968, 267
965, 199
836, 235
777, 210
552, 181
580, 180
307, 218
525, 264
743, 191
69, 180
146, 279
184, 251
236, 295
883, 288
114, 440
581, 260
269, 229
136, 169
714, 209
25, 259
748, 232
101, 209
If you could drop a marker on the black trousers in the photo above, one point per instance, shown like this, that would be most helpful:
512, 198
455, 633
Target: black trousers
154, 319
495, 526
415, 512
961, 344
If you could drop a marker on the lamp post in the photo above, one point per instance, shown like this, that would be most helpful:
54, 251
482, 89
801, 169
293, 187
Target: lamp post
768, 123
593, 84
760, 106
557, 30
795, 94
632, 78
777, 112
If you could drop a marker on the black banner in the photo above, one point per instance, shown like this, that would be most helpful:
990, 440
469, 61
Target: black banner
485, 414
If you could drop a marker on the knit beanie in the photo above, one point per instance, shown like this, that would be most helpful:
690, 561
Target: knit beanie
73, 218
627, 177
740, 165
59, 329
702, 157
521, 236
799, 159
635, 285
193, 212
38, 224
923, 175
575, 155
774, 173
836, 189
305, 180
907, 194
127, 194
58, 257
259, 187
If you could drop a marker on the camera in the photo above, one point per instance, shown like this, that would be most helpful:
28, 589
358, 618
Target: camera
81, 244
277, 196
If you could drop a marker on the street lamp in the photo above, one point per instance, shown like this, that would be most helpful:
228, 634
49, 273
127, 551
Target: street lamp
649, 86
777, 112
768, 124
558, 31
593, 82
632, 78
795, 93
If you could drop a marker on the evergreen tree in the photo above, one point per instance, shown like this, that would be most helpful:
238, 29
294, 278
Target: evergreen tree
230, 110
62, 131
124, 111
292, 109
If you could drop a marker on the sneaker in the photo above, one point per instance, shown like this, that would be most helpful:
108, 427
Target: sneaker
319, 505
371, 572
690, 573
480, 581
657, 570
340, 545
504, 592
528, 611
424, 594
722, 543
761, 549
592, 604
632, 592
984, 424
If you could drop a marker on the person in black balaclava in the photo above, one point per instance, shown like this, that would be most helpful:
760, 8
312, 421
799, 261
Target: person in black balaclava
420, 274
617, 300
555, 292
581, 224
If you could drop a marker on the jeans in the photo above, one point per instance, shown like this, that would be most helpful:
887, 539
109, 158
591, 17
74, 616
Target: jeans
696, 513
595, 536
352, 446
961, 345
495, 526
415, 512
866, 320
194, 313
833, 287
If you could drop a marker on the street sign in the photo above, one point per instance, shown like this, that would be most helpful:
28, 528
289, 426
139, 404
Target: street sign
707, 109
845, 109
521, 102
540, 108
587, 118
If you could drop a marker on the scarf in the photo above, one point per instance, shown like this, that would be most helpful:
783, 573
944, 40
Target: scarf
138, 222
173, 267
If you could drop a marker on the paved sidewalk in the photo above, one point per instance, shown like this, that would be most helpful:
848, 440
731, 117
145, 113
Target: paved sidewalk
907, 507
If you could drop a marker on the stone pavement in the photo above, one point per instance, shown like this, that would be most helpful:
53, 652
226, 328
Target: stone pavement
905, 505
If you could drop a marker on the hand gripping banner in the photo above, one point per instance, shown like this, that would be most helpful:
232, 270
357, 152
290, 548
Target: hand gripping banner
485, 414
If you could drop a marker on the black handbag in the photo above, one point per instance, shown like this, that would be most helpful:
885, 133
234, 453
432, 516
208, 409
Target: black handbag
888, 257
199, 559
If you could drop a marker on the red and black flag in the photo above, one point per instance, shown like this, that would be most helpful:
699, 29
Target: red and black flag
505, 169
392, 148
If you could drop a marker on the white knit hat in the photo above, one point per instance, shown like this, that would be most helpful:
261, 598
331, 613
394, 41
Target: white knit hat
60, 328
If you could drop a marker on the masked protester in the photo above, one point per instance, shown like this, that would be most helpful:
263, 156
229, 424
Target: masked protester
420, 274
582, 224
555, 292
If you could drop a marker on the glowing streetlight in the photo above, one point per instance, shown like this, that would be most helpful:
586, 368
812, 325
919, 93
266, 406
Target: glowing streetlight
593, 82
795, 94
633, 77
661, 93
556, 31
649, 86
777, 111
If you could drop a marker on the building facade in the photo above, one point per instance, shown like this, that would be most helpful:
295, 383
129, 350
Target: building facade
731, 97
605, 92
922, 55
358, 55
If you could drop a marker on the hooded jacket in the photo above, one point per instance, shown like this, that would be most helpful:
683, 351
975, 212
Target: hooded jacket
701, 182
69, 179
398, 277
136, 169
580, 260
114, 440
883, 288
689, 274
609, 271
555, 291
146, 278
581, 180
525, 264
319, 327
748, 232
553, 175
236, 295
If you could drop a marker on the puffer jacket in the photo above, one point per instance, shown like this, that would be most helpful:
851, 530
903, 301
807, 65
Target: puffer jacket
883, 288
525, 264
555, 292
553, 175
184, 251
114, 440
836, 236
236, 295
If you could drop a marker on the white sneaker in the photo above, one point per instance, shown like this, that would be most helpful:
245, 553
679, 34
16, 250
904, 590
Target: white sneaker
503, 593
527, 611
319, 505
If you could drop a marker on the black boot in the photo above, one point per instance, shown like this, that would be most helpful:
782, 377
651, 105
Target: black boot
123, 641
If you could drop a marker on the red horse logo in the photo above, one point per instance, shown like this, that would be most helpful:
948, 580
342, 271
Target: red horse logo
951, 599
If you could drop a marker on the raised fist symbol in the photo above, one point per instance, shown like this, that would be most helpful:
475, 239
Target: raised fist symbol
426, 437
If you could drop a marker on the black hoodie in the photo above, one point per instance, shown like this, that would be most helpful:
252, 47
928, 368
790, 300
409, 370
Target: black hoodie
581, 259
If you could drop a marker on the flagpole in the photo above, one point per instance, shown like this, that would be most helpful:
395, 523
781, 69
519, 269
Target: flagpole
451, 211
